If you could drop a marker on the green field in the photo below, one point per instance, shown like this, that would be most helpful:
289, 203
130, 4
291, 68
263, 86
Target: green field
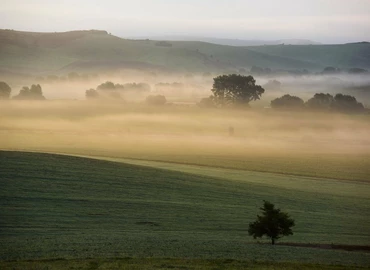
54, 206
160, 263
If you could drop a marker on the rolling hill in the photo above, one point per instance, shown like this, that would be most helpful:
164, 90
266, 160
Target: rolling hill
230, 42
65, 207
27, 52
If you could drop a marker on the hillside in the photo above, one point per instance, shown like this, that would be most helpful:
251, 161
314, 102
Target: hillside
25, 52
230, 42
67, 207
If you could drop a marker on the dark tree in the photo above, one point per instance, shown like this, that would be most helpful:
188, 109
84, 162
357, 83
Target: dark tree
287, 102
33, 93
272, 223
320, 101
235, 90
92, 94
106, 86
4, 90
156, 100
347, 104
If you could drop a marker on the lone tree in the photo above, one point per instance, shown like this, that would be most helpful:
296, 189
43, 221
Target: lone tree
273, 223
235, 90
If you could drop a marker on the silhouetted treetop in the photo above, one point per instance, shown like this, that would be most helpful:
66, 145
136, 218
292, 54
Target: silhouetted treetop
320, 101
287, 102
346, 103
272, 223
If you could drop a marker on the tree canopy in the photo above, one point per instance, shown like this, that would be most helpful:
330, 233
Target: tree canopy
320, 101
340, 103
4, 90
156, 100
273, 223
33, 93
92, 94
287, 102
235, 89
347, 104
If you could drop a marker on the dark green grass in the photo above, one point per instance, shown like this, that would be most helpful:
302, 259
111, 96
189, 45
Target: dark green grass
159, 263
68, 207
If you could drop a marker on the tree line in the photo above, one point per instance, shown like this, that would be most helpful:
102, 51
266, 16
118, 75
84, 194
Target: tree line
26, 93
228, 91
238, 91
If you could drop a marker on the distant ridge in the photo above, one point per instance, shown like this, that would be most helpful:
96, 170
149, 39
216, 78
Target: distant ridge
99, 51
233, 42
361, 42
44, 39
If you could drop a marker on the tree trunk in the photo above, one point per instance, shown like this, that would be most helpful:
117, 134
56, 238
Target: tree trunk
273, 241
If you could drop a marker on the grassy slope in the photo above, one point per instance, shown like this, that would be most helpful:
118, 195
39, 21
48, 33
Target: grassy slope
48, 52
284, 181
60, 206
343, 56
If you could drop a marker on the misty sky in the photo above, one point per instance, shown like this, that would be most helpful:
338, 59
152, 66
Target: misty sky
328, 21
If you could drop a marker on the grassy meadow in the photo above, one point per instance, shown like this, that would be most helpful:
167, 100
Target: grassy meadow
156, 263
75, 208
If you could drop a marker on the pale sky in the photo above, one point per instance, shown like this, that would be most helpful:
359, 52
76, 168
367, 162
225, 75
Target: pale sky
327, 21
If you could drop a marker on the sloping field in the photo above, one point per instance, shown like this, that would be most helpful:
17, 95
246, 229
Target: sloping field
354, 54
54, 206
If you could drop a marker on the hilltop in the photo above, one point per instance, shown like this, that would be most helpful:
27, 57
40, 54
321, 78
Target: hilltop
232, 42
94, 50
